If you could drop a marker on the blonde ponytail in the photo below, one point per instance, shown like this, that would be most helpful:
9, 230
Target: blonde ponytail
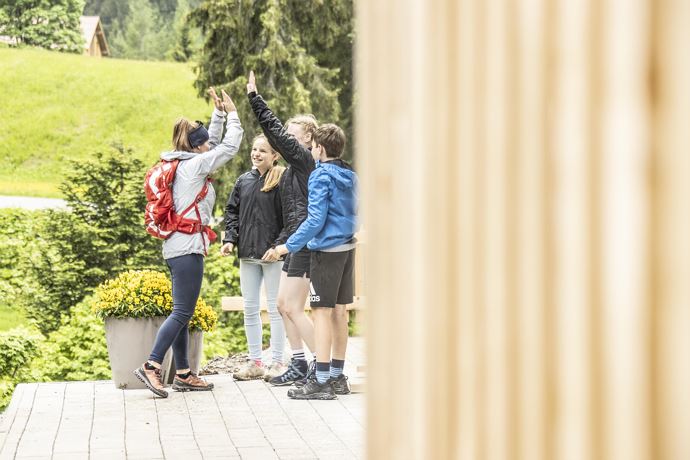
273, 177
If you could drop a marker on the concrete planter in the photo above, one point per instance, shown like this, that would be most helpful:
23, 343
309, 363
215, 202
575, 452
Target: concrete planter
130, 341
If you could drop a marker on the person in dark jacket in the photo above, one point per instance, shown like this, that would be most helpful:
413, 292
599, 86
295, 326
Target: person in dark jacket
254, 224
292, 141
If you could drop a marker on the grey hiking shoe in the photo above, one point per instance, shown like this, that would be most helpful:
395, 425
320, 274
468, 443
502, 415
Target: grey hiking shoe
152, 379
340, 384
313, 390
191, 383
295, 371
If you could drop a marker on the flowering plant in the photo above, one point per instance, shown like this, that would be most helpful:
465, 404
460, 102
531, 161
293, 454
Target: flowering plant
144, 294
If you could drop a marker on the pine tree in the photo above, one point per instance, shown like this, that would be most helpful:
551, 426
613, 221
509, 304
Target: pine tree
188, 38
111, 12
278, 40
143, 35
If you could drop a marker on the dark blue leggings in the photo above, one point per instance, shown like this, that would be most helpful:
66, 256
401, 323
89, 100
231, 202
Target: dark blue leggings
187, 273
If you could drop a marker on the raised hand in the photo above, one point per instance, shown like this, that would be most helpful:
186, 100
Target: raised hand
227, 103
217, 102
251, 83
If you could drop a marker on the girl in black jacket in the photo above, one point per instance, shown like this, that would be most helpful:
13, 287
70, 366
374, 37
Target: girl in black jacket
253, 224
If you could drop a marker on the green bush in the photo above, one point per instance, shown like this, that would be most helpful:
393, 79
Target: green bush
100, 236
225, 340
17, 238
42, 268
106, 194
18, 347
75, 351
57, 276
51, 25
221, 277
6, 389
145, 294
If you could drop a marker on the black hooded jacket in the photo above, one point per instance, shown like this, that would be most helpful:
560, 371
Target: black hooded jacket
253, 219
293, 183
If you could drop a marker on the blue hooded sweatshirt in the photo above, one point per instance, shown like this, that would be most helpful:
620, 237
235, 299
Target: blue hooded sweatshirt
332, 208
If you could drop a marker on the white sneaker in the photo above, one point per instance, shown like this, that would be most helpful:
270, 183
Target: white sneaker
249, 371
275, 370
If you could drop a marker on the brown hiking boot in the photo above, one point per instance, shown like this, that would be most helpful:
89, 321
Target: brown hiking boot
152, 379
191, 383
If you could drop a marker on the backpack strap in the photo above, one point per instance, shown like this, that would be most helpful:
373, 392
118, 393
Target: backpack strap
202, 229
195, 204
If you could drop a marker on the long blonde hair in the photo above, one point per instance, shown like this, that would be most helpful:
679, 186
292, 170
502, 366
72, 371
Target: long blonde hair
180, 138
276, 172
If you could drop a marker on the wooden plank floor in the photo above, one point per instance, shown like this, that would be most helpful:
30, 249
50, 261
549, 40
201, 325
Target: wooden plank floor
248, 420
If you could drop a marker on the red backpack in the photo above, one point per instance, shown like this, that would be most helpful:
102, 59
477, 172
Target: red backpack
160, 217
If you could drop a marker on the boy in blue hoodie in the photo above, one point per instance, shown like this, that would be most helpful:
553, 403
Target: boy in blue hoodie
328, 232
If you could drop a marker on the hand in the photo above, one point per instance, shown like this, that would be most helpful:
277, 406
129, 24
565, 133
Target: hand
217, 102
251, 84
227, 103
281, 250
226, 249
271, 255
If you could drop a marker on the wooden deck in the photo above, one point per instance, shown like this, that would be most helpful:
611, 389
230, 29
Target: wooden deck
248, 420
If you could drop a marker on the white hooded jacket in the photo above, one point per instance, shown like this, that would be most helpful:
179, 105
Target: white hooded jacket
191, 176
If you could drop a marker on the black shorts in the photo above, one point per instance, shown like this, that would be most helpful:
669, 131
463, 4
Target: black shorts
332, 278
297, 265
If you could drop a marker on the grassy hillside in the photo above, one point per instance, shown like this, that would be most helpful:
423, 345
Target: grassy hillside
55, 107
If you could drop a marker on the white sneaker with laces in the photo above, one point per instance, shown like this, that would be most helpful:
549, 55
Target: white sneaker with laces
275, 370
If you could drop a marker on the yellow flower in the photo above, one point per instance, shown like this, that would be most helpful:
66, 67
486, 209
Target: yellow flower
143, 294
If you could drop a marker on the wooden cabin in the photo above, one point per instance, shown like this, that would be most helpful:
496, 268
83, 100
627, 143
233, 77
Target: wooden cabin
95, 43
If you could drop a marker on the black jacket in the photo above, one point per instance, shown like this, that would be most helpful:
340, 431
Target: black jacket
253, 219
293, 184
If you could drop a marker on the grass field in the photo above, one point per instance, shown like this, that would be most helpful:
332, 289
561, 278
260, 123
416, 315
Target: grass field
10, 318
55, 107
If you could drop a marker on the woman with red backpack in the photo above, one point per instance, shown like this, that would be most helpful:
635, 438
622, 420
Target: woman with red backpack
197, 153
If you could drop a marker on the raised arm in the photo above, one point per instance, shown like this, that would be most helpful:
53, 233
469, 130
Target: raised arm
215, 129
291, 150
226, 150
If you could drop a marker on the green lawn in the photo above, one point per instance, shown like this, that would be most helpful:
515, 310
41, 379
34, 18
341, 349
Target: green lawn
56, 106
10, 318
